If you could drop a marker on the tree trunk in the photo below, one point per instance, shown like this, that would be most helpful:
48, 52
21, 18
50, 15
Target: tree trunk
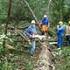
45, 59
8, 18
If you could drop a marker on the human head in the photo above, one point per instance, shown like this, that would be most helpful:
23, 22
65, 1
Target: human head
60, 23
33, 21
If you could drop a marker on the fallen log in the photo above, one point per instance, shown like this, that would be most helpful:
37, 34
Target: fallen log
44, 61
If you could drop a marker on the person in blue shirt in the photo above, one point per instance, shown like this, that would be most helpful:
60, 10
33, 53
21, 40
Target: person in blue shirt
60, 34
30, 32
44, 25
45, 20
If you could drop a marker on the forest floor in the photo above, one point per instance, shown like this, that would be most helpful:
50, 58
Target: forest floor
20, 59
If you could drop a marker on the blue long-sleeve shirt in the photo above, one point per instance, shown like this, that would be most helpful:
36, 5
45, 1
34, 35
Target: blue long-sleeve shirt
31, 30
45, 21
60, 30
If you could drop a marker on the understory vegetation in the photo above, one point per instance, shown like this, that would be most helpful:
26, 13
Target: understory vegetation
15, 16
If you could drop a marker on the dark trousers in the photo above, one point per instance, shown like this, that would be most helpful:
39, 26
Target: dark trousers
68, 39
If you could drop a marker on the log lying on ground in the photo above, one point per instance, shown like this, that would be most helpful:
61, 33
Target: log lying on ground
45, 60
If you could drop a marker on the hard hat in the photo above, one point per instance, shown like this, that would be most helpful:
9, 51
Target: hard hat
33, 21
45, 15
69, 22
60, 22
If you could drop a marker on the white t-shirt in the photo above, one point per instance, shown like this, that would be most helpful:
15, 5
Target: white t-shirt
67, 30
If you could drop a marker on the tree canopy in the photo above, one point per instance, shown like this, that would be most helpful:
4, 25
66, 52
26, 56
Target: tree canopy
58, 9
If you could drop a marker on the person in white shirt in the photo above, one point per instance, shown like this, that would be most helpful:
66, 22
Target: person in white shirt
68, 33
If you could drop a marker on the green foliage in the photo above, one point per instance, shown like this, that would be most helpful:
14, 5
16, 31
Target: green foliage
39, 7
29, 66
58, 10
3, 9
63, 59
2, 38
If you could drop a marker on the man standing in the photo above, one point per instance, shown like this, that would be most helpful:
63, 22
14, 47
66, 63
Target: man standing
68, 33
30, 32
60, 34
44, 25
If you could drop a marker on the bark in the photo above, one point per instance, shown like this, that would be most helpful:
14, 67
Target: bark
45, 59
